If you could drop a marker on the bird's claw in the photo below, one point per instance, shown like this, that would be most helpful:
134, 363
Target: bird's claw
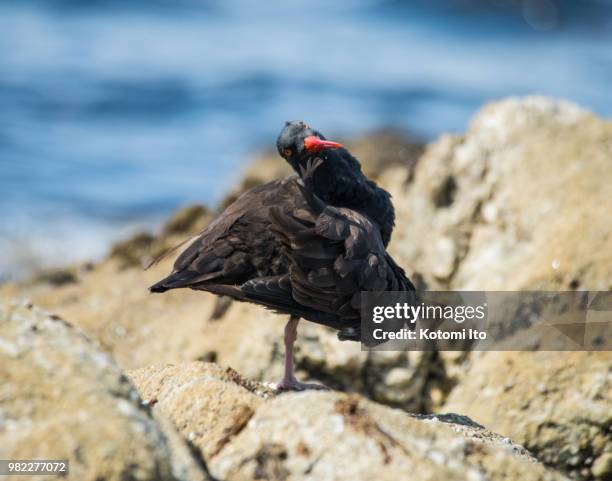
311, 165
295, 385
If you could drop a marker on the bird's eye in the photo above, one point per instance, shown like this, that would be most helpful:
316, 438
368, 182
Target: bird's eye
287, 152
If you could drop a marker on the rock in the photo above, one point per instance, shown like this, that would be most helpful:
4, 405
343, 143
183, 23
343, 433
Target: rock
207, 403
602, 467
503, 207
113, 306
135, 251
446, 255
244, 433
332, 436
386, 148
56, 277
61, 397
189, 219
557, 404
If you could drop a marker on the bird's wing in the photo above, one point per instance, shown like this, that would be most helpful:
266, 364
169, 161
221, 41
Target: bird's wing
236, 246
335, 253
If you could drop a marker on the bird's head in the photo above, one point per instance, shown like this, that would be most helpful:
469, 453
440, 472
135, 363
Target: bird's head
297, 143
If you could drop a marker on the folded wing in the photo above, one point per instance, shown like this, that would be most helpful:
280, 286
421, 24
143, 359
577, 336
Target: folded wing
335, 253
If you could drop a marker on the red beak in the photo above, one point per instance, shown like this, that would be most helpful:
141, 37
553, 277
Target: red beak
314, 144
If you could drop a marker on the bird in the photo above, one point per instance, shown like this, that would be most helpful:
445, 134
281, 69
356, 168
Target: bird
305, 245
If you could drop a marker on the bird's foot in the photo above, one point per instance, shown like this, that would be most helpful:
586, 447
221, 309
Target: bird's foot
311, 166
295, 385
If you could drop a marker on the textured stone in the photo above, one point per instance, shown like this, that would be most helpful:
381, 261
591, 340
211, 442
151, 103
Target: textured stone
206, 403
557, 404
520, 201
61, 397
331, 436
245, 432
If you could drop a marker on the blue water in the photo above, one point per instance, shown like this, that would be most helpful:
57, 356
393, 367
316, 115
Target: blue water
113, 113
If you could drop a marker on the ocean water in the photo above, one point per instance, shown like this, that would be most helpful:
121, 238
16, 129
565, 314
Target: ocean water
113, 113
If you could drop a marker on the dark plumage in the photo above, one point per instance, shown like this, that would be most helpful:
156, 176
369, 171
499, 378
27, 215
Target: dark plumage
305, 245
338, 181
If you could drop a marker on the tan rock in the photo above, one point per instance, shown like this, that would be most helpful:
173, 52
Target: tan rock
245, 433
113, 306
602, 467
206, 403
518, 202
61, 397
331, 436
557, 404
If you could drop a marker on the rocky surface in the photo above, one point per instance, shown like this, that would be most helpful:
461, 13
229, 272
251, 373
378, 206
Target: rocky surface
61, 397
556, 404
518, 202
244, 432
207, 404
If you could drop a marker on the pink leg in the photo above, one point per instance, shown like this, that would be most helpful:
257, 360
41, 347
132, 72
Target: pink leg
289, 382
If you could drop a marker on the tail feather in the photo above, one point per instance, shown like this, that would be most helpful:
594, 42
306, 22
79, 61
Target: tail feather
184, 279
159, 287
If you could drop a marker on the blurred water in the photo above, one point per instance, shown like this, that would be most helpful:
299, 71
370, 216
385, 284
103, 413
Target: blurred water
113, 113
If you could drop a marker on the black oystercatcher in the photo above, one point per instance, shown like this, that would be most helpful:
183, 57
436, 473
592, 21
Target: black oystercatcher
305, 245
